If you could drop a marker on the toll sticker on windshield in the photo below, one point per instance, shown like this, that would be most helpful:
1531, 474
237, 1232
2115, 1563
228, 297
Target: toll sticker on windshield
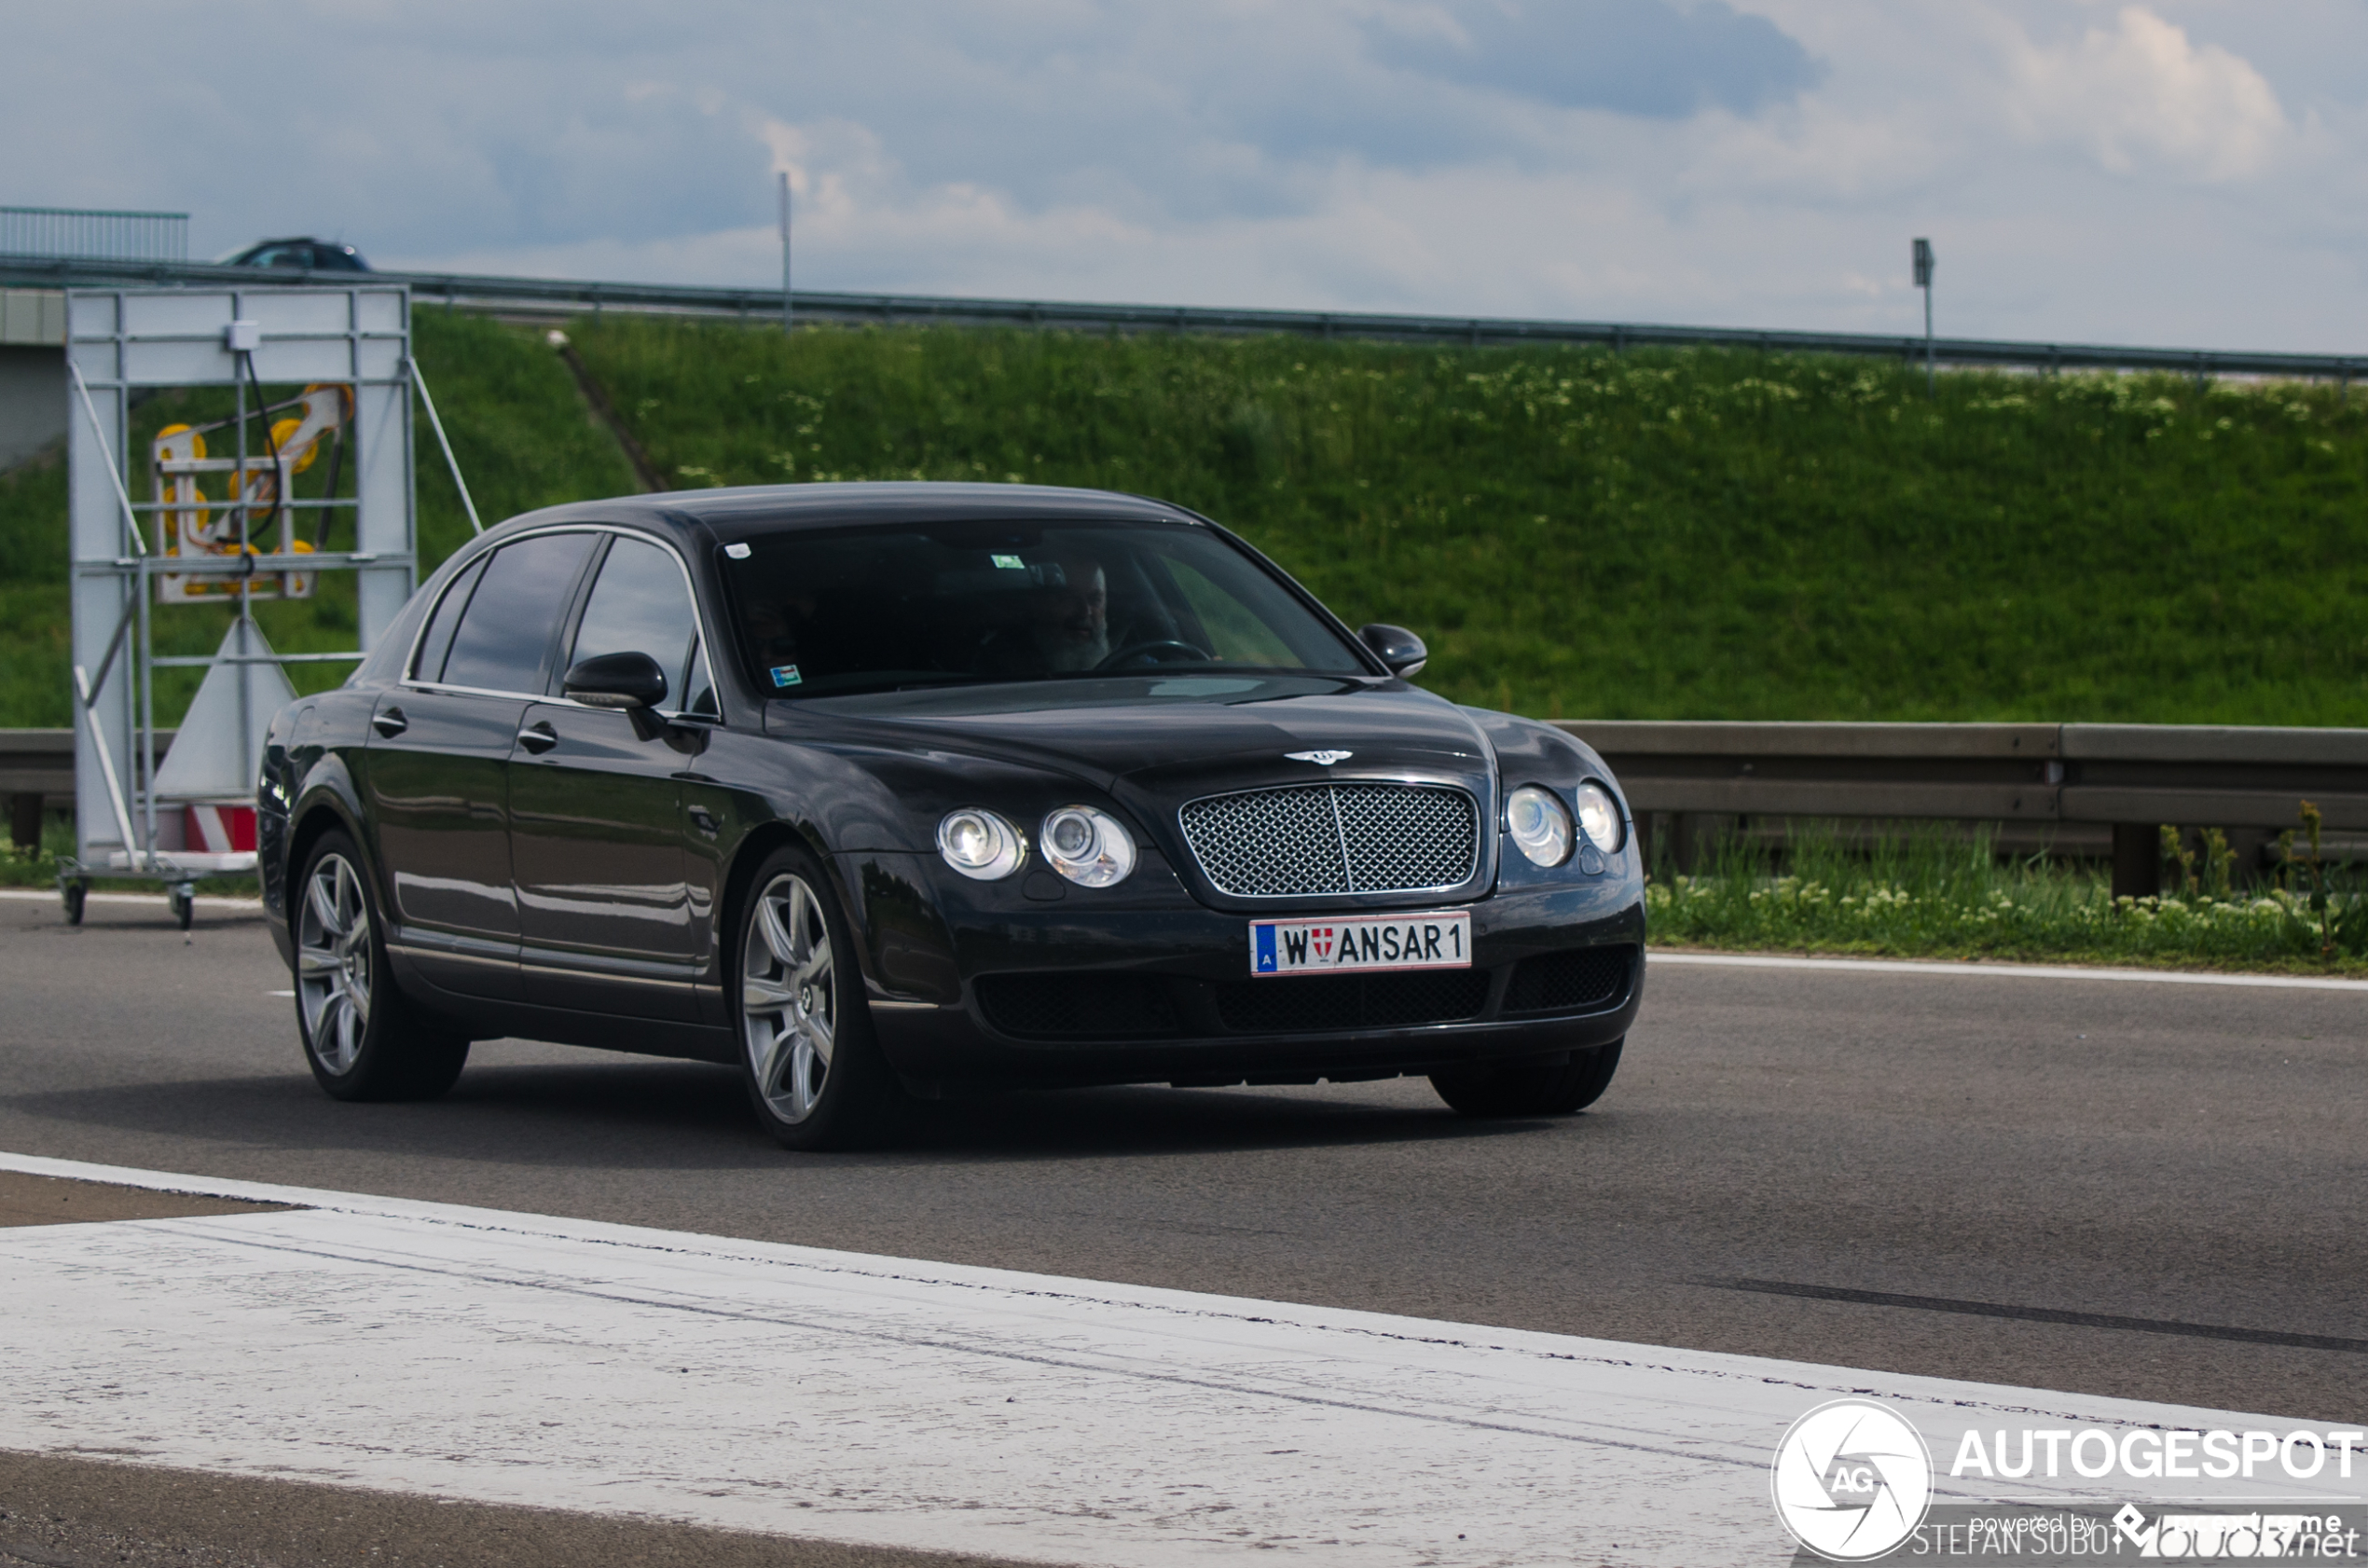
1333, 944
1009, 563
786, 675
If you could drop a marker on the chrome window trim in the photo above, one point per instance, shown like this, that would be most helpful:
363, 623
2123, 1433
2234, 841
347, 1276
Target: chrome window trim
698, 620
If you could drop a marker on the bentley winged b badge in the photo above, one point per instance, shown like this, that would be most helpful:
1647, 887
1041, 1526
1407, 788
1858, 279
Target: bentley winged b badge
1321, 759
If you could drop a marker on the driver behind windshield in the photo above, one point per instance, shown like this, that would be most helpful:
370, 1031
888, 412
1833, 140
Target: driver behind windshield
1066, 625
1072, 629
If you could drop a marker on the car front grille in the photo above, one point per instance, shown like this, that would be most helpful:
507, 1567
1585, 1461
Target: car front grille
1576, 980
1334, 838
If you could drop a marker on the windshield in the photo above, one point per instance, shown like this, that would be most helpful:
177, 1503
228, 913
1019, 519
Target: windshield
835, 612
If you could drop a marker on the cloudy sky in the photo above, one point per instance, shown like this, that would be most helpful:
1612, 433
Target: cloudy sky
2177, 171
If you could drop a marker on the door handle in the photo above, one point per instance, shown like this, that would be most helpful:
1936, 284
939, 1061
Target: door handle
538, 738
390, 723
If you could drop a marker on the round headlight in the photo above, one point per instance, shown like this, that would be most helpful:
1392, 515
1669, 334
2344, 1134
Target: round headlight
1599, 817
1540, 825
980, 845
1092, 848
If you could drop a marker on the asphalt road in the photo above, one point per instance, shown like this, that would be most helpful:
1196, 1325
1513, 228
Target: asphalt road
2045, 1167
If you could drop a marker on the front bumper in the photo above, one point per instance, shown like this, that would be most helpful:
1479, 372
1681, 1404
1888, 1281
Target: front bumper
982, 984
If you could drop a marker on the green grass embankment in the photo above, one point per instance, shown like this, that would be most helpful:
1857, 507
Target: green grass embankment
1703, 534
1710, 534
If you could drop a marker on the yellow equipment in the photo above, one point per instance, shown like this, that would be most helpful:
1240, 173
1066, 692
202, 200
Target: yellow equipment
253, 492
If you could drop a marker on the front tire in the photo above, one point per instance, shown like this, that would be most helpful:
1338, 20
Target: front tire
362, 1038
812, 1068
1523, 1089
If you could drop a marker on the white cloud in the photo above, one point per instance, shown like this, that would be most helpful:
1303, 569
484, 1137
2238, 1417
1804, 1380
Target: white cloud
2144, 91
2187, 171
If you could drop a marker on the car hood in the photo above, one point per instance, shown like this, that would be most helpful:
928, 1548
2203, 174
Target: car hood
1107, 732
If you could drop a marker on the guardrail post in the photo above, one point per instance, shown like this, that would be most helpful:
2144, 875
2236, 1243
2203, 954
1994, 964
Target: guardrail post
2252, 847
24, 820
2138, 860
1693, 834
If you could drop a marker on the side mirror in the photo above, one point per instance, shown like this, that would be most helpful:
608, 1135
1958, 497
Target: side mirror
627, 680
1398, 649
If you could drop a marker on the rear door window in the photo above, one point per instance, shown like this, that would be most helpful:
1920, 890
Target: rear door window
437, 641
503, 642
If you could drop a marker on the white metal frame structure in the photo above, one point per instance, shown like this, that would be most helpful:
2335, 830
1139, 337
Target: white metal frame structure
119, 341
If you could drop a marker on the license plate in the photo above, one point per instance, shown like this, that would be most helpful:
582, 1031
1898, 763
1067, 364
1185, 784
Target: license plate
1360, 945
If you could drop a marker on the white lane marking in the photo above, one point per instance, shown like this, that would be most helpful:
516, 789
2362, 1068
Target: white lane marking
205, 901
278, 992
2008, 971
522, 1358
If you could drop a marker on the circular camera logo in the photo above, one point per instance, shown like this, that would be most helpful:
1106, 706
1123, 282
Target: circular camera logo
1851, 1481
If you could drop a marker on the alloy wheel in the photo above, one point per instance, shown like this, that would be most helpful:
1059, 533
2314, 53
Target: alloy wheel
333, 962
788, 998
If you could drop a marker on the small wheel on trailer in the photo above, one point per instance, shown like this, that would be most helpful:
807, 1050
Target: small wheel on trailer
183, 900
362, 1038
1526, 1089
73, 893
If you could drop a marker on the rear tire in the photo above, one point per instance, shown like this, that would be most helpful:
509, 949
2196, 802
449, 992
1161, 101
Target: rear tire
809, 1059
362, 1037
1525, 1089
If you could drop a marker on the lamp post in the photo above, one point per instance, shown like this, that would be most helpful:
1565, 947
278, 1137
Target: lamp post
1924, 259
785, 252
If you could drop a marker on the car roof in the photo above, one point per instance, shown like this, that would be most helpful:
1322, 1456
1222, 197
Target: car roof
731, 515
317, 243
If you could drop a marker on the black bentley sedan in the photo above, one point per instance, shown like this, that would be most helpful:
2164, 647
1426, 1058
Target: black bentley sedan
888, 790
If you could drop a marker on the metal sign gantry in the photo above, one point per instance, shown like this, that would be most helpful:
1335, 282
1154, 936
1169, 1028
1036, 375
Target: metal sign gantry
247, 545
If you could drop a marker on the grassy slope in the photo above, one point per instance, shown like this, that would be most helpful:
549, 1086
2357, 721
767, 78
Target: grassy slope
1704, 535
519, 427
1697, 535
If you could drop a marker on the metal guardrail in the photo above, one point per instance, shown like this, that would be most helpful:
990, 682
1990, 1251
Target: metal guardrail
480, 291
37, 761
1686, 778
1693, 776
36, 774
